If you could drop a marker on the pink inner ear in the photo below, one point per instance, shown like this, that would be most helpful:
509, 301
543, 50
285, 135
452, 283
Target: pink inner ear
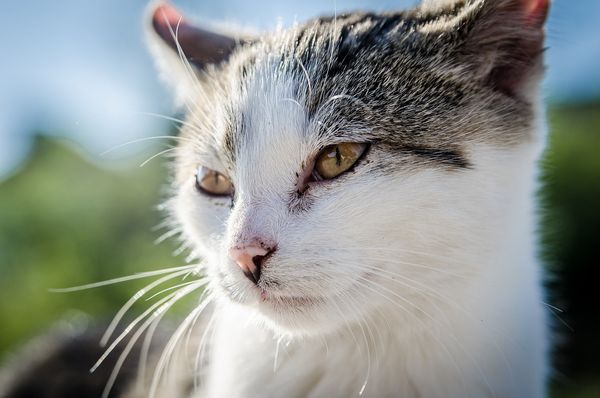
536, 11
165, 16
166, 20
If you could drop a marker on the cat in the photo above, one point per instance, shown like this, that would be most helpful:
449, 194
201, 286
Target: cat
359, 194
361, 191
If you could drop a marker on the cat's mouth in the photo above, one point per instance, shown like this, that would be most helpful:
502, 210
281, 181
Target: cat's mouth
282, 302
282, 307
267, 298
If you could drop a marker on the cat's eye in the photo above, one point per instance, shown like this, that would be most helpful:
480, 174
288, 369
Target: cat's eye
213, 183
336, 159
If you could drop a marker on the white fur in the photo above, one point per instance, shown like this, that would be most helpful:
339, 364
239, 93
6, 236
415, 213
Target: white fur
428, 277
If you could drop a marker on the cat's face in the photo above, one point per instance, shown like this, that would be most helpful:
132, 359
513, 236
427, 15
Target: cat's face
354, 165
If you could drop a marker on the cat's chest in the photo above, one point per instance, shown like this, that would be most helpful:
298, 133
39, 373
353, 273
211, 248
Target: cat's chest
247, 361
270, 369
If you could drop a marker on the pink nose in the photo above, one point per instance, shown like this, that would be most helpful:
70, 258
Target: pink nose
250, 259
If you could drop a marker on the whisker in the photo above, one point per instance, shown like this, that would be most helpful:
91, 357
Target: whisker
369, 360
123, 356
409, 251
201, 350
145, 350
136, 141
145, 162
168, 350
129, 328
392, 260
349, 328
556, 311
158, 314
188, 69
121, 279
552, 307
139, 294
193, 323
293, 101
182, 122
169, 289
305, 74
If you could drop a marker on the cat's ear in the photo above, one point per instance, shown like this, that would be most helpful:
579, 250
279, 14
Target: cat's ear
200, 47
500, 41
181, 49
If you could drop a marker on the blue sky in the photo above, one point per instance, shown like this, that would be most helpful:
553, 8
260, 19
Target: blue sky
80, 69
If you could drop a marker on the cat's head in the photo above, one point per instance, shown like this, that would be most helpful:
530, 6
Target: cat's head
354, 164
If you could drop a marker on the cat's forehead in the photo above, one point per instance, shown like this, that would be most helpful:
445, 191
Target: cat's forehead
364, 77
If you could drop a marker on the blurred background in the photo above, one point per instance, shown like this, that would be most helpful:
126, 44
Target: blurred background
76, 81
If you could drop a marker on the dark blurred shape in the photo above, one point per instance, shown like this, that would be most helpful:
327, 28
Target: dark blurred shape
570, 228
58, 367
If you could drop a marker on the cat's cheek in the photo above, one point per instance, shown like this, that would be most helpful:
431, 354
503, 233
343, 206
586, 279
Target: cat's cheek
202, 219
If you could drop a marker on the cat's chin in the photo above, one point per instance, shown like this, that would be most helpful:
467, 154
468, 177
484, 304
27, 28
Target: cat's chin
288, 314
292, 316
297, 316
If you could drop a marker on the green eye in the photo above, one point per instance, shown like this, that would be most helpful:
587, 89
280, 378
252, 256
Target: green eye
336, 159
213, 183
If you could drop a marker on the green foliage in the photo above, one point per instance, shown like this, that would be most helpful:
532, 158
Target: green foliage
64, 222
